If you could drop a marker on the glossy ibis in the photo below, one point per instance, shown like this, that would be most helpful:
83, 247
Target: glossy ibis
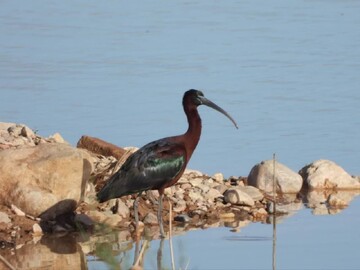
160, 164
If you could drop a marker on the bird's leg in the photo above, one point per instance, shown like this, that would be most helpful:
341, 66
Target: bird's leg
159, 255
162, 233
136, 213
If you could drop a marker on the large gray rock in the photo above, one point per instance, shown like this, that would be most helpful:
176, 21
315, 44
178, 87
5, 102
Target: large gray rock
326, 174
287, 181
47, 180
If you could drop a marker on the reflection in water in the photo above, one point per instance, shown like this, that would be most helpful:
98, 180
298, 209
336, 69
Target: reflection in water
48, 253
329, 202
114, 250
159, 255
274, 243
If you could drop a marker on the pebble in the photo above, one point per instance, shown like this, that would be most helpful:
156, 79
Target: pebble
212, 194
259, 213
180, 206
83, 222
195, 182
122, 209
218, 177
27, 132
221, 188
4, 218
57, 138
194, 196
150, 219
113, 220
227, 215
186, 186
37, 231
182, 218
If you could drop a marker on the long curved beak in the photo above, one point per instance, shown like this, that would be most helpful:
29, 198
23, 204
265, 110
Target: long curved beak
211, 104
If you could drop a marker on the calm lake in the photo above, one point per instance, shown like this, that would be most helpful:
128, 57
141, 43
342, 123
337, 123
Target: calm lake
287, 71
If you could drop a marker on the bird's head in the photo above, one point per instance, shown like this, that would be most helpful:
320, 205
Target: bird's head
196, 97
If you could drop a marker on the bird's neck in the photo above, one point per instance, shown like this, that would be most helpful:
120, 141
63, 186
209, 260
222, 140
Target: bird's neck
193, 133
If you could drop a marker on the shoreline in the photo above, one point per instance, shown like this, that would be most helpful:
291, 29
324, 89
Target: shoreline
198, 200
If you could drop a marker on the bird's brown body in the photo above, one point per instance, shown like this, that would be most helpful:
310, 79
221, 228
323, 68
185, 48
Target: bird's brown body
160, 164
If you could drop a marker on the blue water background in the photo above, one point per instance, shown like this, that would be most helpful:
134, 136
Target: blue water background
287, 71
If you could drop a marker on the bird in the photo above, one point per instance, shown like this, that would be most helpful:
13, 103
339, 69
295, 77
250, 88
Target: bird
160, 164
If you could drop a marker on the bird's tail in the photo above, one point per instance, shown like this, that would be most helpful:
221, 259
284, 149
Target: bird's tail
103, 194
114, 188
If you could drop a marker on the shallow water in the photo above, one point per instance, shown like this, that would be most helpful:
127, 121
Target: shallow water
287, 71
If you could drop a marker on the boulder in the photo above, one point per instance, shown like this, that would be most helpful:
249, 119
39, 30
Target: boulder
287, 181
326, 174
48, 179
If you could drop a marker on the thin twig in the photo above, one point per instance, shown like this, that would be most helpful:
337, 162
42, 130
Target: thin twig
6, 262
170, 239
141, 253
274, 217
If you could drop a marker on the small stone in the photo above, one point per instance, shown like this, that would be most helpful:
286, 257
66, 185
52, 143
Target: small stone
4, 218
37, 231
204, 188
17, 211
233, 180
182, 218
180, 206
218, 177
212, 194
27, 132
194, 196
221, 188
260, 212
195, 182
83, 222
150, 219
57, 138
169, 191
236, 196
15, 130
179, 194
186, 186
122, 209
97, 216
270, 207
113, 220
193, 173
227, 215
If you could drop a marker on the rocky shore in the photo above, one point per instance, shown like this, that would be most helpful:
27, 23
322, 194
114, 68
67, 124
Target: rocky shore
48, 187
